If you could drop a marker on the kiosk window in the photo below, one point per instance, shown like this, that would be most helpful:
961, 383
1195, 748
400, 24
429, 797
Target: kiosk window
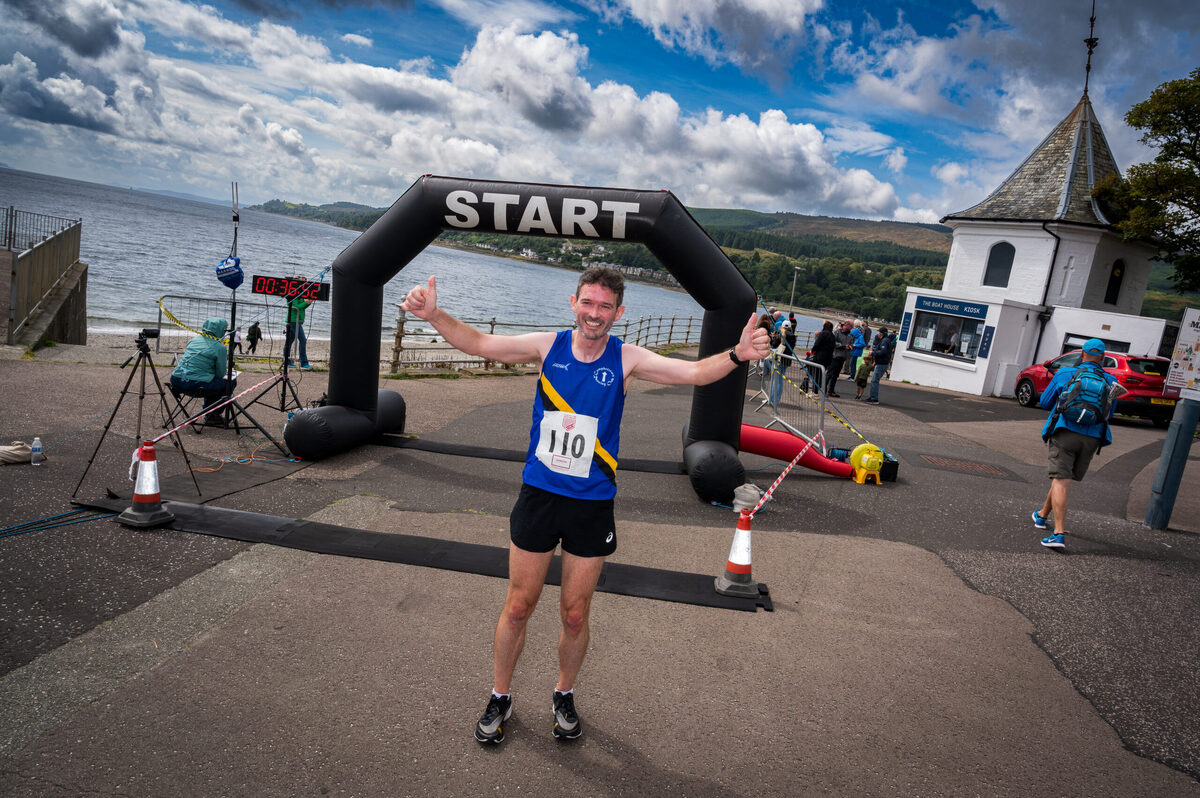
950, 336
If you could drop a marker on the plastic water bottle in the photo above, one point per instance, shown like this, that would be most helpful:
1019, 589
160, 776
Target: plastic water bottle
35, 456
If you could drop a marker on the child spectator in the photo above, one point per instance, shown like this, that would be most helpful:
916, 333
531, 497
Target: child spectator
863, 375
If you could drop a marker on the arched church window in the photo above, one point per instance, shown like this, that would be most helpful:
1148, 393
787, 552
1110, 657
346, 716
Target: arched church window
1115, 278
999, 265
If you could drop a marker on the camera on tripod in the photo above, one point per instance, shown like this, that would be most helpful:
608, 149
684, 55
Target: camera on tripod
143, 347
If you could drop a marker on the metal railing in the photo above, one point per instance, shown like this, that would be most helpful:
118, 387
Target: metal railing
45, 248
22, 230
421, 351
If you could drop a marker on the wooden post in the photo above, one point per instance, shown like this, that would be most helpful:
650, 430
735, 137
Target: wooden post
398, 340
487, 364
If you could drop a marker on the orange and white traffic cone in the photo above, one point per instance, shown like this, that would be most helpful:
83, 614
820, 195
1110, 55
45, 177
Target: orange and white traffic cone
147, 509
737, 581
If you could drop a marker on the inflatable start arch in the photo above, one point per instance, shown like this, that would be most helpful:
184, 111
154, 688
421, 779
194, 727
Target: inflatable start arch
357, 410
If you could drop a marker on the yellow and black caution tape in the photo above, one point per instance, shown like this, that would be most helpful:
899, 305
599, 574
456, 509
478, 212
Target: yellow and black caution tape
828, 412
171, 317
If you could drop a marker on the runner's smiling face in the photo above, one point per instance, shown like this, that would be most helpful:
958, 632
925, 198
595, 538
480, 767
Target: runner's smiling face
596, 311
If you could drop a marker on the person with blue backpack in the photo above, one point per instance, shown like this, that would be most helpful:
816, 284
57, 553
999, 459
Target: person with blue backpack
1081, 400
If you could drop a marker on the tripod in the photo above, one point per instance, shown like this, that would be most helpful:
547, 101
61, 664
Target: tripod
285, 388
229, 272
233, 409
143, 362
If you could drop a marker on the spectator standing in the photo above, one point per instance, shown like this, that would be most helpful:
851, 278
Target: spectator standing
1071, 445
860, 343
863, 375
784, 345
881, 351
252, 337
822, 352
237, 340
295, 331
843, 343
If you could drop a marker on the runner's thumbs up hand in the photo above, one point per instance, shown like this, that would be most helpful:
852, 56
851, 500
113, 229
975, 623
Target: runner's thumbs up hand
754, 344
422, 300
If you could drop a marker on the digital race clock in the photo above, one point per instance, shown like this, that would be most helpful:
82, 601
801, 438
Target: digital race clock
290, 287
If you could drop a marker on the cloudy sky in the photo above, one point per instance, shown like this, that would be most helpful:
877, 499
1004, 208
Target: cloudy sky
905, 110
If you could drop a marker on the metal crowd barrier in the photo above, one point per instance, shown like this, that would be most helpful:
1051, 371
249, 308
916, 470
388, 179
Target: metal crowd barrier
794, 395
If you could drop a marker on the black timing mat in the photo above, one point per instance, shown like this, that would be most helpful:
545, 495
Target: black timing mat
473, 558
229, 478
511, 455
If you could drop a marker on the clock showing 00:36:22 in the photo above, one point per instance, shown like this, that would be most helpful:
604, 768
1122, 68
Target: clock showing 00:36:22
290, 287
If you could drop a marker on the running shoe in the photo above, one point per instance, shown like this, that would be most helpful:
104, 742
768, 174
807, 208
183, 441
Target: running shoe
1039, 520
1055, 541
566, 722
490, 727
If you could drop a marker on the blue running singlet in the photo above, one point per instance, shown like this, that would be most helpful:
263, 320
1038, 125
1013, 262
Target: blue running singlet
576, 428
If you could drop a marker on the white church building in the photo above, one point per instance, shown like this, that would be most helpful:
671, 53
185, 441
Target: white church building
1035, 270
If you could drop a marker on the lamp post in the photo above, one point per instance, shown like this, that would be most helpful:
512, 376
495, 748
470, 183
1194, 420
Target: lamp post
792, 298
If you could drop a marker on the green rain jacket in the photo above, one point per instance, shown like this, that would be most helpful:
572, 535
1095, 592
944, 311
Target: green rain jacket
204, 358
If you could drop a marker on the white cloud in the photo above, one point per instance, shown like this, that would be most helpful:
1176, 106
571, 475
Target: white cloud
357, 40
918, 215
895, 161
757, 35
536, 75
188, 21
529, 14
516, 106
950, 173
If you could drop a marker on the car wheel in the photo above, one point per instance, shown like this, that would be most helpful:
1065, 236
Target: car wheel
1025, 393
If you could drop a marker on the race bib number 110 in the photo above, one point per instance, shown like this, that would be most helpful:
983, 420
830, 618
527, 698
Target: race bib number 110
566, 443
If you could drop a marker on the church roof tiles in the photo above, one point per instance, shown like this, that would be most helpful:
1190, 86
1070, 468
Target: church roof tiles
1055, 182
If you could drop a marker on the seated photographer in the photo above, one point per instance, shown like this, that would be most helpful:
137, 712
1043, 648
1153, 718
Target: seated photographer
201, 367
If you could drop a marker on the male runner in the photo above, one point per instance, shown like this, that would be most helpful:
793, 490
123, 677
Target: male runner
569, 479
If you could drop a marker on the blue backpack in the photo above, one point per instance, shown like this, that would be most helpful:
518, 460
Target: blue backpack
1086, 399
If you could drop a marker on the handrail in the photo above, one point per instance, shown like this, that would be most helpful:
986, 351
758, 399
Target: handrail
21, 231
652, 332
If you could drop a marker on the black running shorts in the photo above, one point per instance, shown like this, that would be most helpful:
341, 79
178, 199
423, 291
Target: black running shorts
540, 519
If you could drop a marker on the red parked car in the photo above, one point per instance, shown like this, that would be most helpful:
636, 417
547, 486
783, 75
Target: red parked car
1142, 376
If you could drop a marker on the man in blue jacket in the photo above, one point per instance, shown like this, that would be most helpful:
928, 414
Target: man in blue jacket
881, 349
1071, 445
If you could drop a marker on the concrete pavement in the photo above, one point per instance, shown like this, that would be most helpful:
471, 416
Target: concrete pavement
922, 643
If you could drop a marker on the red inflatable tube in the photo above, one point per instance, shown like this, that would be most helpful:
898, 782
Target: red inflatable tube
785, 446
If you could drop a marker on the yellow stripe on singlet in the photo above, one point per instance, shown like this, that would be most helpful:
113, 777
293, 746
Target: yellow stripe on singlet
607, 462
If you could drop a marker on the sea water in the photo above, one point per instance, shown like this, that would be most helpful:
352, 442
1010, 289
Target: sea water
140, 246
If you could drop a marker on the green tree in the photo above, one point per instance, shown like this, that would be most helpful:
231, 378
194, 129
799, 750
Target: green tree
1160, 200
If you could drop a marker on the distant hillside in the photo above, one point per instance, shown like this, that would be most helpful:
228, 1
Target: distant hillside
350, 215
734, 219
934, 237
906, 234
927, 237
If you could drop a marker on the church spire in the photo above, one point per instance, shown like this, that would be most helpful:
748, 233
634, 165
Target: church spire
1091, 41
